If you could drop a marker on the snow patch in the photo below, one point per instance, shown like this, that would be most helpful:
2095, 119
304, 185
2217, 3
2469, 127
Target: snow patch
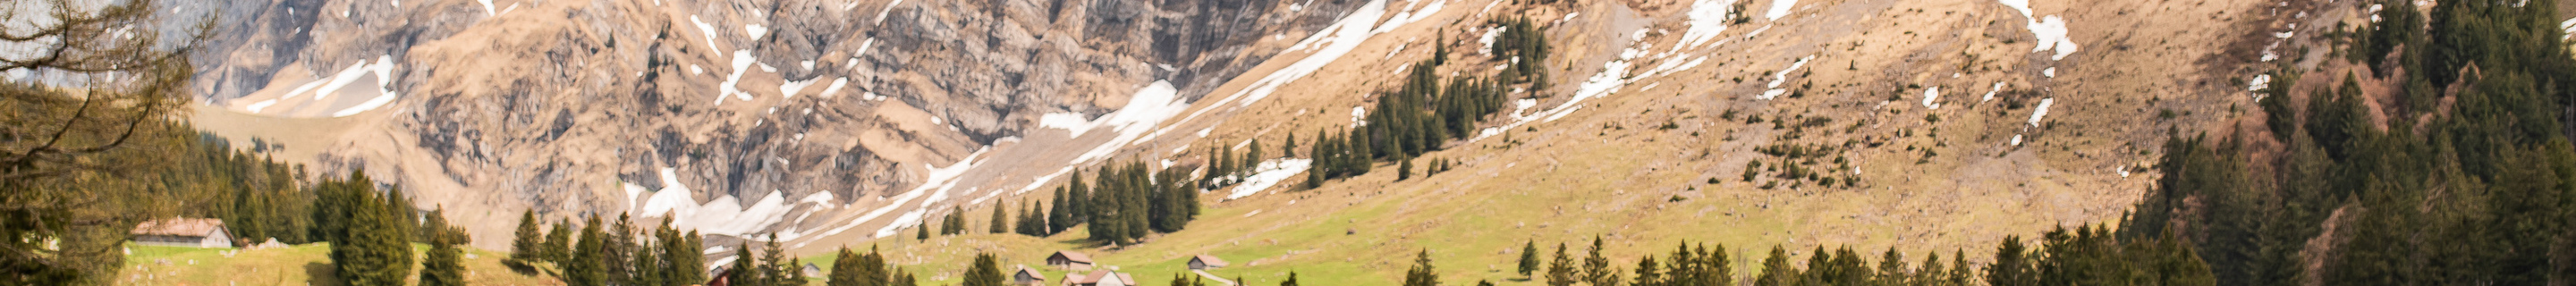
1067, 121
835, 88
1930, 95
703, 29
1707, 19
1990, 92
2259, 83
754, 31
742, 60
1150, 106
881, 13
2043, 111
791, 88
1329, 44
723, 215
1780, 8
1781, 78
1269, 173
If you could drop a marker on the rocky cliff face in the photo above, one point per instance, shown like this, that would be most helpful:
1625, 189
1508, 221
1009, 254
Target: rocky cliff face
752, 110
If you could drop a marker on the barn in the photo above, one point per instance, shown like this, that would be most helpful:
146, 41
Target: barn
1205, 262
184, 232
1027, 276
1069, 260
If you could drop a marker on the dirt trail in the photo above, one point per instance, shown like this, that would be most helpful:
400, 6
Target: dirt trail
1204, 274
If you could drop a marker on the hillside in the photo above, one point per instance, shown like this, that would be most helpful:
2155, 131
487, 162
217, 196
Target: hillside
1925, 126
1959, 126
307, 264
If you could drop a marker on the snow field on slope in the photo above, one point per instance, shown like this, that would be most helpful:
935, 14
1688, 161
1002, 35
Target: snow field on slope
1269, 173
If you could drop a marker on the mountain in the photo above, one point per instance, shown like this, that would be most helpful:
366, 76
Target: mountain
736, 115
1939, 125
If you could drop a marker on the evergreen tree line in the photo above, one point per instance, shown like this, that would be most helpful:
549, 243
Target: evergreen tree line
2459, 173
1227, 167
257, 197
1125, 203
618, 253
1424, 114
2083, 256
1121, 205
1524, 46
370, 230
771, 268
866, 269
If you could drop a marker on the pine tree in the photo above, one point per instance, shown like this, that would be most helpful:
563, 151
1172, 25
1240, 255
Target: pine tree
987, 271
586, 266
443, 266
1776, 270
1529, 257
376, 248
559, 243
1060, 218
746, 268
2010, 268
1404, 169
686, 261
1891, 269
1931, 272
1560, 272
646, 260
1647, 274
617, 256
1291, 281
779, 269
1596, 269
1422, 274
528, 245
925, 231
904, 278
1001, 220
1288, 148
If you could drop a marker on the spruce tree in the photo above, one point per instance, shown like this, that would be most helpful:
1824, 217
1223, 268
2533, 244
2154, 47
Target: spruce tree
2011, 266
1529, 257
779, 269
987, 271
617, 256
586, 266
925, 231
559, 243
1647, 274
1001, 220
1560, 272
444, 265
1422, 273
746, 268
684, 257
528, 244
1596, 269
1291, 281
1776, 270
376, 248
1060, 218
1404, 169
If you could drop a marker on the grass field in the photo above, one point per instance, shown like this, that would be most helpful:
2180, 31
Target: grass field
308, 264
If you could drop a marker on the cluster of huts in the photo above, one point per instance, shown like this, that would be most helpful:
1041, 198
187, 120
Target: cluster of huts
1082, 271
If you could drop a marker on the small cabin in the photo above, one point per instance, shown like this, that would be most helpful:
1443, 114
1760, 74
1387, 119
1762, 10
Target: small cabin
1205, 262
1069, 260
1102, 277
1029, 277
184, 232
